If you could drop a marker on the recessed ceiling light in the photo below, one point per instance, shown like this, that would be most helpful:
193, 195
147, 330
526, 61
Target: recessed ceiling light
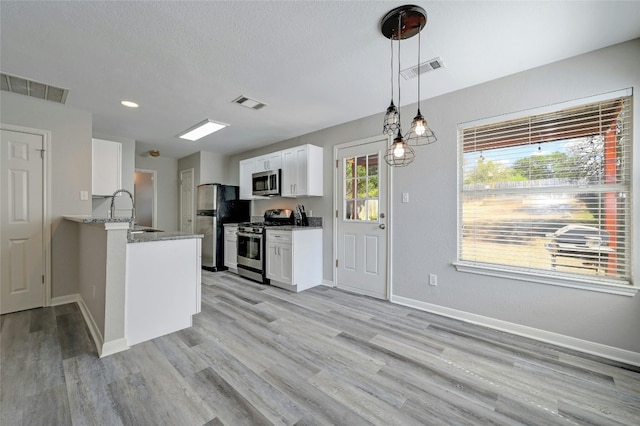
201, 130
129, 104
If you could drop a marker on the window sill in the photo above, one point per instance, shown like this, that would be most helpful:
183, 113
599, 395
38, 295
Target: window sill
516, 274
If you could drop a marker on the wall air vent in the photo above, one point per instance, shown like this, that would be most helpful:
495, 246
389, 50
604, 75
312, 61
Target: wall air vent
430, 65
22, 86
249, 103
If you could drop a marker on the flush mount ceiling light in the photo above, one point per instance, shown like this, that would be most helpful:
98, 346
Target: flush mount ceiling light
130, 104
201, 130
399, 24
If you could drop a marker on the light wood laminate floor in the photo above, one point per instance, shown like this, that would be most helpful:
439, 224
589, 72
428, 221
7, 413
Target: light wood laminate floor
258, 355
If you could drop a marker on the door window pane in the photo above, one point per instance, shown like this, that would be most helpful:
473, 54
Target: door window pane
361, 188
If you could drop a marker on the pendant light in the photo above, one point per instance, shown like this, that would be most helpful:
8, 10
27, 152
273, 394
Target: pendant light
392, 117
401, 23
399, 154
420, 133
394, 26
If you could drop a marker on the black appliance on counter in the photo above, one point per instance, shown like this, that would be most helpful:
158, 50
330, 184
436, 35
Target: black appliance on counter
216, 205
251, 243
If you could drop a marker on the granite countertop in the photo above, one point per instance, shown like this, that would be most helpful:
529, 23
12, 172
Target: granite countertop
147, 234
292, 227
147, 237
91, 219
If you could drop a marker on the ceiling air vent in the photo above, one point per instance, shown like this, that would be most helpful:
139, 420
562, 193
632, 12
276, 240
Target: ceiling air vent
22, 86
249, 103
430, 65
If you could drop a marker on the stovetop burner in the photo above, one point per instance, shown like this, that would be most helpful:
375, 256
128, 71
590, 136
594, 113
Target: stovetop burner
273, 217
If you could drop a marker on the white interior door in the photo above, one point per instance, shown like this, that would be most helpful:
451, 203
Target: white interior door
187, 201
361, 240
21, 222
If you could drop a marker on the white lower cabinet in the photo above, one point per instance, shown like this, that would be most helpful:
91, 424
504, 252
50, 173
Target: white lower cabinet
230, 248
294, 258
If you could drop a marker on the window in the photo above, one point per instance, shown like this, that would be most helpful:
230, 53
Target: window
549, 194
361, 188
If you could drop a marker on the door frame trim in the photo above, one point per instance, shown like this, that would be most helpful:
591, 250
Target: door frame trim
154, 212
389, 229
46, 200
193, 192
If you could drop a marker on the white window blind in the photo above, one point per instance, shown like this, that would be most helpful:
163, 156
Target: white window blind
550, 193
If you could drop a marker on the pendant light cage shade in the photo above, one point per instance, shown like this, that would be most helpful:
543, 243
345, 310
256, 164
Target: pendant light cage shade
420, 133
399, 154
391, 120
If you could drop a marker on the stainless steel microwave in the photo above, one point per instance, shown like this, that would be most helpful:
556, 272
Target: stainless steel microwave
266, 183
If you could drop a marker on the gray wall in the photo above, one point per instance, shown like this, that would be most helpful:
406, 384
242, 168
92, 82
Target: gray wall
70, 157
213, 168
424, 231
167, 188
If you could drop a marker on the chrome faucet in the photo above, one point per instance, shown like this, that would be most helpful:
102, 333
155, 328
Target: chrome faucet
112, 210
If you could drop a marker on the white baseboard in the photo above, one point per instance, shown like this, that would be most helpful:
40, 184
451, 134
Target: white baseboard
104, 348
93, 327
63, 300
327, 283
113, 347
609, 352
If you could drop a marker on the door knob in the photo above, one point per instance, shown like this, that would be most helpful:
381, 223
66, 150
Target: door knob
382, 226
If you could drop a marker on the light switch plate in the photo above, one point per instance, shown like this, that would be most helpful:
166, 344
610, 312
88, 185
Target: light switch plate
84, 195
405, 197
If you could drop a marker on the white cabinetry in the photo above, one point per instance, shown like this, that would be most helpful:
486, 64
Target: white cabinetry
279, 256
246, 170
267, 162
230, 248
163, 287
294, 258
302, 171
106, 163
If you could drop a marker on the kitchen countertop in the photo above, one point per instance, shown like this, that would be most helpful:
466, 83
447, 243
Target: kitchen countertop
147, 237
134, 237
91, 219
291, 228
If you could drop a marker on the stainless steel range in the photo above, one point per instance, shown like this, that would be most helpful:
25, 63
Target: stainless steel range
251, 243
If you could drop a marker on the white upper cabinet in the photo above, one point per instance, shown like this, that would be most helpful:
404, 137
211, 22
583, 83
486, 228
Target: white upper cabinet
246, 187
106, 163
268, 162
302, 171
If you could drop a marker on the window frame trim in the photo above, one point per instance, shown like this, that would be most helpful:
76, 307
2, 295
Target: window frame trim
519, 274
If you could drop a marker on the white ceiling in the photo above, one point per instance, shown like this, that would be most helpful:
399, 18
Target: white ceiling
315, 63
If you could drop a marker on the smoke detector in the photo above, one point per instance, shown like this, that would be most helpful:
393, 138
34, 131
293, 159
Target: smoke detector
22, 86
249, 103
430, 65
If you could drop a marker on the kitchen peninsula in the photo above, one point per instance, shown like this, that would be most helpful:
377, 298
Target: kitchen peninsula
135, 285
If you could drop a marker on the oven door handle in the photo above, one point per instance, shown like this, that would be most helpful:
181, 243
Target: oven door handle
249, 235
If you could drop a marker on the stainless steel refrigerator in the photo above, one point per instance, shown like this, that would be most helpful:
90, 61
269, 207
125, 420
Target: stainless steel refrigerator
216, 205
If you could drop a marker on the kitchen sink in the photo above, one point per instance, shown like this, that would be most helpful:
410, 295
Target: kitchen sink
143, 230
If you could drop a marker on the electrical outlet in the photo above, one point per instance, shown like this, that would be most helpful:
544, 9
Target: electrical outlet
84, 195
433, 279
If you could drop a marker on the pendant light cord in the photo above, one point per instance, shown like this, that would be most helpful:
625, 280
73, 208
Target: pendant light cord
391, 40
399, 37
419, 49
